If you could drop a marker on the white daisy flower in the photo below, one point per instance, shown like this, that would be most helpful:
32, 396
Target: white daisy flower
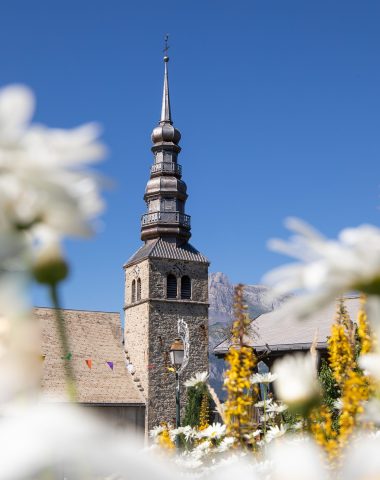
214, 431
188, 432
275, 432
263, 378
198, 379
253, 434
276, 408
267, 416
156, 431
263, 403
225, 444
201, 450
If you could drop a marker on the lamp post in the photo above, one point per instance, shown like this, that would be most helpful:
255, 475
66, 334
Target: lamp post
176, 357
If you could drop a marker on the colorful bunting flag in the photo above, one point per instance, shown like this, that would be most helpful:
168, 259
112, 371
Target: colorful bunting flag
89, 363
110, 364
67, 356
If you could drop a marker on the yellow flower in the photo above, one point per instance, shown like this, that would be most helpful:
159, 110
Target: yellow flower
366, 343
204, 414
341, 345
242, 361
164, 440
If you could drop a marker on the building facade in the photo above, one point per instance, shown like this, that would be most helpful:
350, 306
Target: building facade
102, 380
166, 280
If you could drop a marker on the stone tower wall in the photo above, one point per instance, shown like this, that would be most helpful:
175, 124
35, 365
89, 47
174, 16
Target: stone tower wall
163, 329
136, 327
151, 327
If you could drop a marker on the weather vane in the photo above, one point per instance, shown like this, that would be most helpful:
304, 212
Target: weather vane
166, 46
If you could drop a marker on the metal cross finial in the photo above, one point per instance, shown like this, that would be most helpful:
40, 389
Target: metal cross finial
166, 46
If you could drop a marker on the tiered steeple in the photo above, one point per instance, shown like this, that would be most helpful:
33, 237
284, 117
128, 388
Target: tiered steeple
165, 193
165, 280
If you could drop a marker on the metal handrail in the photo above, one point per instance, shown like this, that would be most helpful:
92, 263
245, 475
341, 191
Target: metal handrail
169, 167
166, 217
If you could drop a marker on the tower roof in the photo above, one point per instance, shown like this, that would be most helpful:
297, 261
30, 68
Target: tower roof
161, 249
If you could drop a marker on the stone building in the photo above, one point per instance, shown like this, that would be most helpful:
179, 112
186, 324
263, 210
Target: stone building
166, 279
97, 359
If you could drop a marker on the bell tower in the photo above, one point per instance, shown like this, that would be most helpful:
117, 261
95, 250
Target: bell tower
166, 280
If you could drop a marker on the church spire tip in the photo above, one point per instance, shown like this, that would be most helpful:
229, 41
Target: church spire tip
166, 116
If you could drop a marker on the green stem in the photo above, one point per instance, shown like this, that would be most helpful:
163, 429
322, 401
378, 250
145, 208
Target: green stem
61, 327
265, 409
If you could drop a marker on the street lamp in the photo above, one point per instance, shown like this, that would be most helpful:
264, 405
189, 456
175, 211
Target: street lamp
176, 357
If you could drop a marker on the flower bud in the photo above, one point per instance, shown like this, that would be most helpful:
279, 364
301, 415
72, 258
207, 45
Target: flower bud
50, 267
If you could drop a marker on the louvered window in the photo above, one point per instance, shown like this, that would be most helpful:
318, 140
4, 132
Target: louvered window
169, 204
138, 289
185, 287
171, 286
133, 299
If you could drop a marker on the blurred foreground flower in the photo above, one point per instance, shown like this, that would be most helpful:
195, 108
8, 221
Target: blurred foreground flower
44, 193
296, 381
67, 442
327, 268
40, 181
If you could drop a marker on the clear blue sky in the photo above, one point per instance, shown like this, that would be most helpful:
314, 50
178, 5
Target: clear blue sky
278, 103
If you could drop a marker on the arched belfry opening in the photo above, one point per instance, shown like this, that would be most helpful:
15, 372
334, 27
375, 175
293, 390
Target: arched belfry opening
171, 286
185, 288
133, 293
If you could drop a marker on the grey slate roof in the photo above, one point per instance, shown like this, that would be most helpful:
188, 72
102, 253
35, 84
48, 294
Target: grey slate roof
92, 335
161, 249
283, 333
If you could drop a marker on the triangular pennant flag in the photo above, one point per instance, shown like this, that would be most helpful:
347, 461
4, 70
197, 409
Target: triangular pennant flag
110, 364
68, 356
89, 363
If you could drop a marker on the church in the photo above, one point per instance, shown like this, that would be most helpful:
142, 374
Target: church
127, 378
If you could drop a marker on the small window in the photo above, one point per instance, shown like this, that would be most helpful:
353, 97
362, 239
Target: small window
138, 289
185, 287
171, 286
133, 299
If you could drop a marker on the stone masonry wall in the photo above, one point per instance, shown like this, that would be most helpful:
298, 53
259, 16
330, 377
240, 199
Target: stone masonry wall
136, 325
163, 329
162, 332
134, 272
151, 327
160, 268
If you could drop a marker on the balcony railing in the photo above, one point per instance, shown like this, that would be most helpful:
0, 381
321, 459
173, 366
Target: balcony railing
166, 217
166, 167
